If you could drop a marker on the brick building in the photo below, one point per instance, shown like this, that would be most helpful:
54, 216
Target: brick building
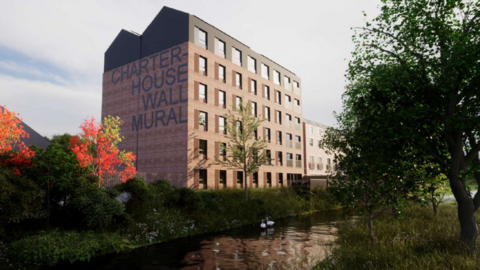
317, 163
173, 84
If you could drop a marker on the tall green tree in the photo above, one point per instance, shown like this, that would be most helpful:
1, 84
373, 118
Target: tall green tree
429, 55
244, 151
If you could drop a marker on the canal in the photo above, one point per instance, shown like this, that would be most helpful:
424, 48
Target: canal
292, 243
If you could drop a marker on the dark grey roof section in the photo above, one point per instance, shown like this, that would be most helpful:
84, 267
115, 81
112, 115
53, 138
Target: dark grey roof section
34, 137
169, 28
123, 50
315, 124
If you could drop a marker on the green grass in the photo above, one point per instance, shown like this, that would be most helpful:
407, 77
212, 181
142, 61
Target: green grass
418, 241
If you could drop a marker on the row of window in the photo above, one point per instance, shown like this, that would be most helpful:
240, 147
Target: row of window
319, 142
201, 94
220, 49
310, 129
220, 180
252, 87
201, 151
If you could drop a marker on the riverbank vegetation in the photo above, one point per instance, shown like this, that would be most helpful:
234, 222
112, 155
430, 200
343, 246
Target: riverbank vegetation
420, 240
95, 221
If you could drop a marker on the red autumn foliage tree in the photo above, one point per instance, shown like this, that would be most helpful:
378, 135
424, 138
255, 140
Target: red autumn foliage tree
96, 148
11, 133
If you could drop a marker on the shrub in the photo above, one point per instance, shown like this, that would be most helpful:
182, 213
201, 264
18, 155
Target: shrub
47, 249
94, 208
19, 196
138, 190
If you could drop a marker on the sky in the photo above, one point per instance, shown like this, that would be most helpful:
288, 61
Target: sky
51, 52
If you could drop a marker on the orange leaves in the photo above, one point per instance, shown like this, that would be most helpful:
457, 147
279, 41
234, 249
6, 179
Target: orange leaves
11, 133
96, 148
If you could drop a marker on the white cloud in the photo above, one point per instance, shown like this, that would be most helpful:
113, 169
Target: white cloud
311, 38
46, 107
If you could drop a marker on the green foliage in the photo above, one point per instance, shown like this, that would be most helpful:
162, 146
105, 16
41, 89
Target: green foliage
94, 208
20, 198
62, 140
50, 248
137, 189
419, 241
414, 77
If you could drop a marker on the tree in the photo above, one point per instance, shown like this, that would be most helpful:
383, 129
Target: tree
376, 172
11, 133
96, 149
429, 53
244, 151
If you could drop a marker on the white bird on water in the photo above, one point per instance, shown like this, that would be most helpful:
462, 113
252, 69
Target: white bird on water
270, 223
262, 225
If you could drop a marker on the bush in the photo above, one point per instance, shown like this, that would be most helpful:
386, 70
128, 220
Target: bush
94, 208
47, 249
19, 197
137, 188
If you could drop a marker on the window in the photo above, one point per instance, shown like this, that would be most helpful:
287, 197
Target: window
238, 103
253, 86
289, 160
200, 37
288, 121
297, 104
320, 160
203, 65
289, 139
280, 158
286, 82
328, 161
278, 97
222, 178
221, 125
254, 109
288, 101
239, 127
202, 149
221, 73
222, 150
265, 71
202, 120
268, 154
202, 92
297, 121
267, 134
319, 143
221, 99
220, 47
279, 117
255, 134
310, 129
267, 113
319, 132
252, 64
296, 86
202, 179
298, 159
255, 179
266, 92
276, 77
237, 56
238, 80
311, 141
279, 137
298, 142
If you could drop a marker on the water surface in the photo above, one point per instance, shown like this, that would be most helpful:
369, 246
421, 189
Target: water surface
292, 243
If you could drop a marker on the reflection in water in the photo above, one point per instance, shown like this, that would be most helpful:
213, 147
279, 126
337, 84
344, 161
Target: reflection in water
292, 243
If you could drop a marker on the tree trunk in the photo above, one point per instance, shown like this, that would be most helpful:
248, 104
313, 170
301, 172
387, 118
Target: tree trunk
370, 226
434, 204
245, 184
468, 225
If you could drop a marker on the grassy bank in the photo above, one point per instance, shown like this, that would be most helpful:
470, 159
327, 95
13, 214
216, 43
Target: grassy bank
418, 241
151, 214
